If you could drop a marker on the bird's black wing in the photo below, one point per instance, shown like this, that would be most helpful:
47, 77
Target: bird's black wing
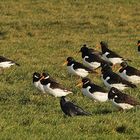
4, 59
75, 110
124, 98
112, 54
97, 58
80, 65
55, 84
115, 78
95, 88
132, 71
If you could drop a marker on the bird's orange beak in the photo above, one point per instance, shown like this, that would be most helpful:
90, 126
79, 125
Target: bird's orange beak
118, 69
138, 44
42, 77
97, 46
65, 63
80, 84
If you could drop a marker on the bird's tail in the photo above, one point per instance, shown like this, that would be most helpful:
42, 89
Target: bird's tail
125, 59
132, 85
17, 64
87, 113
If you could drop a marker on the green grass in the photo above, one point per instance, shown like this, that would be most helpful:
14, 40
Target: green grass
40, 35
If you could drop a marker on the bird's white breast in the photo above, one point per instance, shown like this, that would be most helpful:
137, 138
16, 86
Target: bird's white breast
98, 96
57, 92
6, 64
122, 105
39, 86
119, 86
92, 65
80, 72
134, 78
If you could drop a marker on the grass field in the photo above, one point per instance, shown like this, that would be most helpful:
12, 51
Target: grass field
40, 35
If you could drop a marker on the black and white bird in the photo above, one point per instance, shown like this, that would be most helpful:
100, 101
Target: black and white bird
93, 91
91, 60
110, 55
71, 109
129, 73
52, 87
138, 44
111, 79
122, 100
36, 81
77, 68
6, 63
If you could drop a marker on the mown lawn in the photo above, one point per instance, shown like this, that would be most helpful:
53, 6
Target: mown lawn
40, 35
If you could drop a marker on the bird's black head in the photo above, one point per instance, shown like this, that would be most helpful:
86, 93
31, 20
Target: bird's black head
105, 67
84, 48
103, 44
45, 75
63, 100
70, 60
113, 93
86, 81
36, 76
124, 64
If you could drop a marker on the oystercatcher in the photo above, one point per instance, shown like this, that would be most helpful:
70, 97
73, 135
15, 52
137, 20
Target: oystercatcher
77, 68
52, 87
122, 100
111, 79
110, 55
129, 73
93, 91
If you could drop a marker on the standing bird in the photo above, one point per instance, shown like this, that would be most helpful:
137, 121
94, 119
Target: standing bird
111, 56
71, 109
129, 73
121, 100
6, 63
52, 87
77, 68
111, 79
91, 60
93, 91
138, 44
36, 81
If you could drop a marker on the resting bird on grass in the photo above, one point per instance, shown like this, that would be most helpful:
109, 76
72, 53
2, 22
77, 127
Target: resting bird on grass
6, 63
71, 109
121, 100
110, 55
36, 81
111, 79
93, 91
129, 73
77, 68
92, 60
52, 87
